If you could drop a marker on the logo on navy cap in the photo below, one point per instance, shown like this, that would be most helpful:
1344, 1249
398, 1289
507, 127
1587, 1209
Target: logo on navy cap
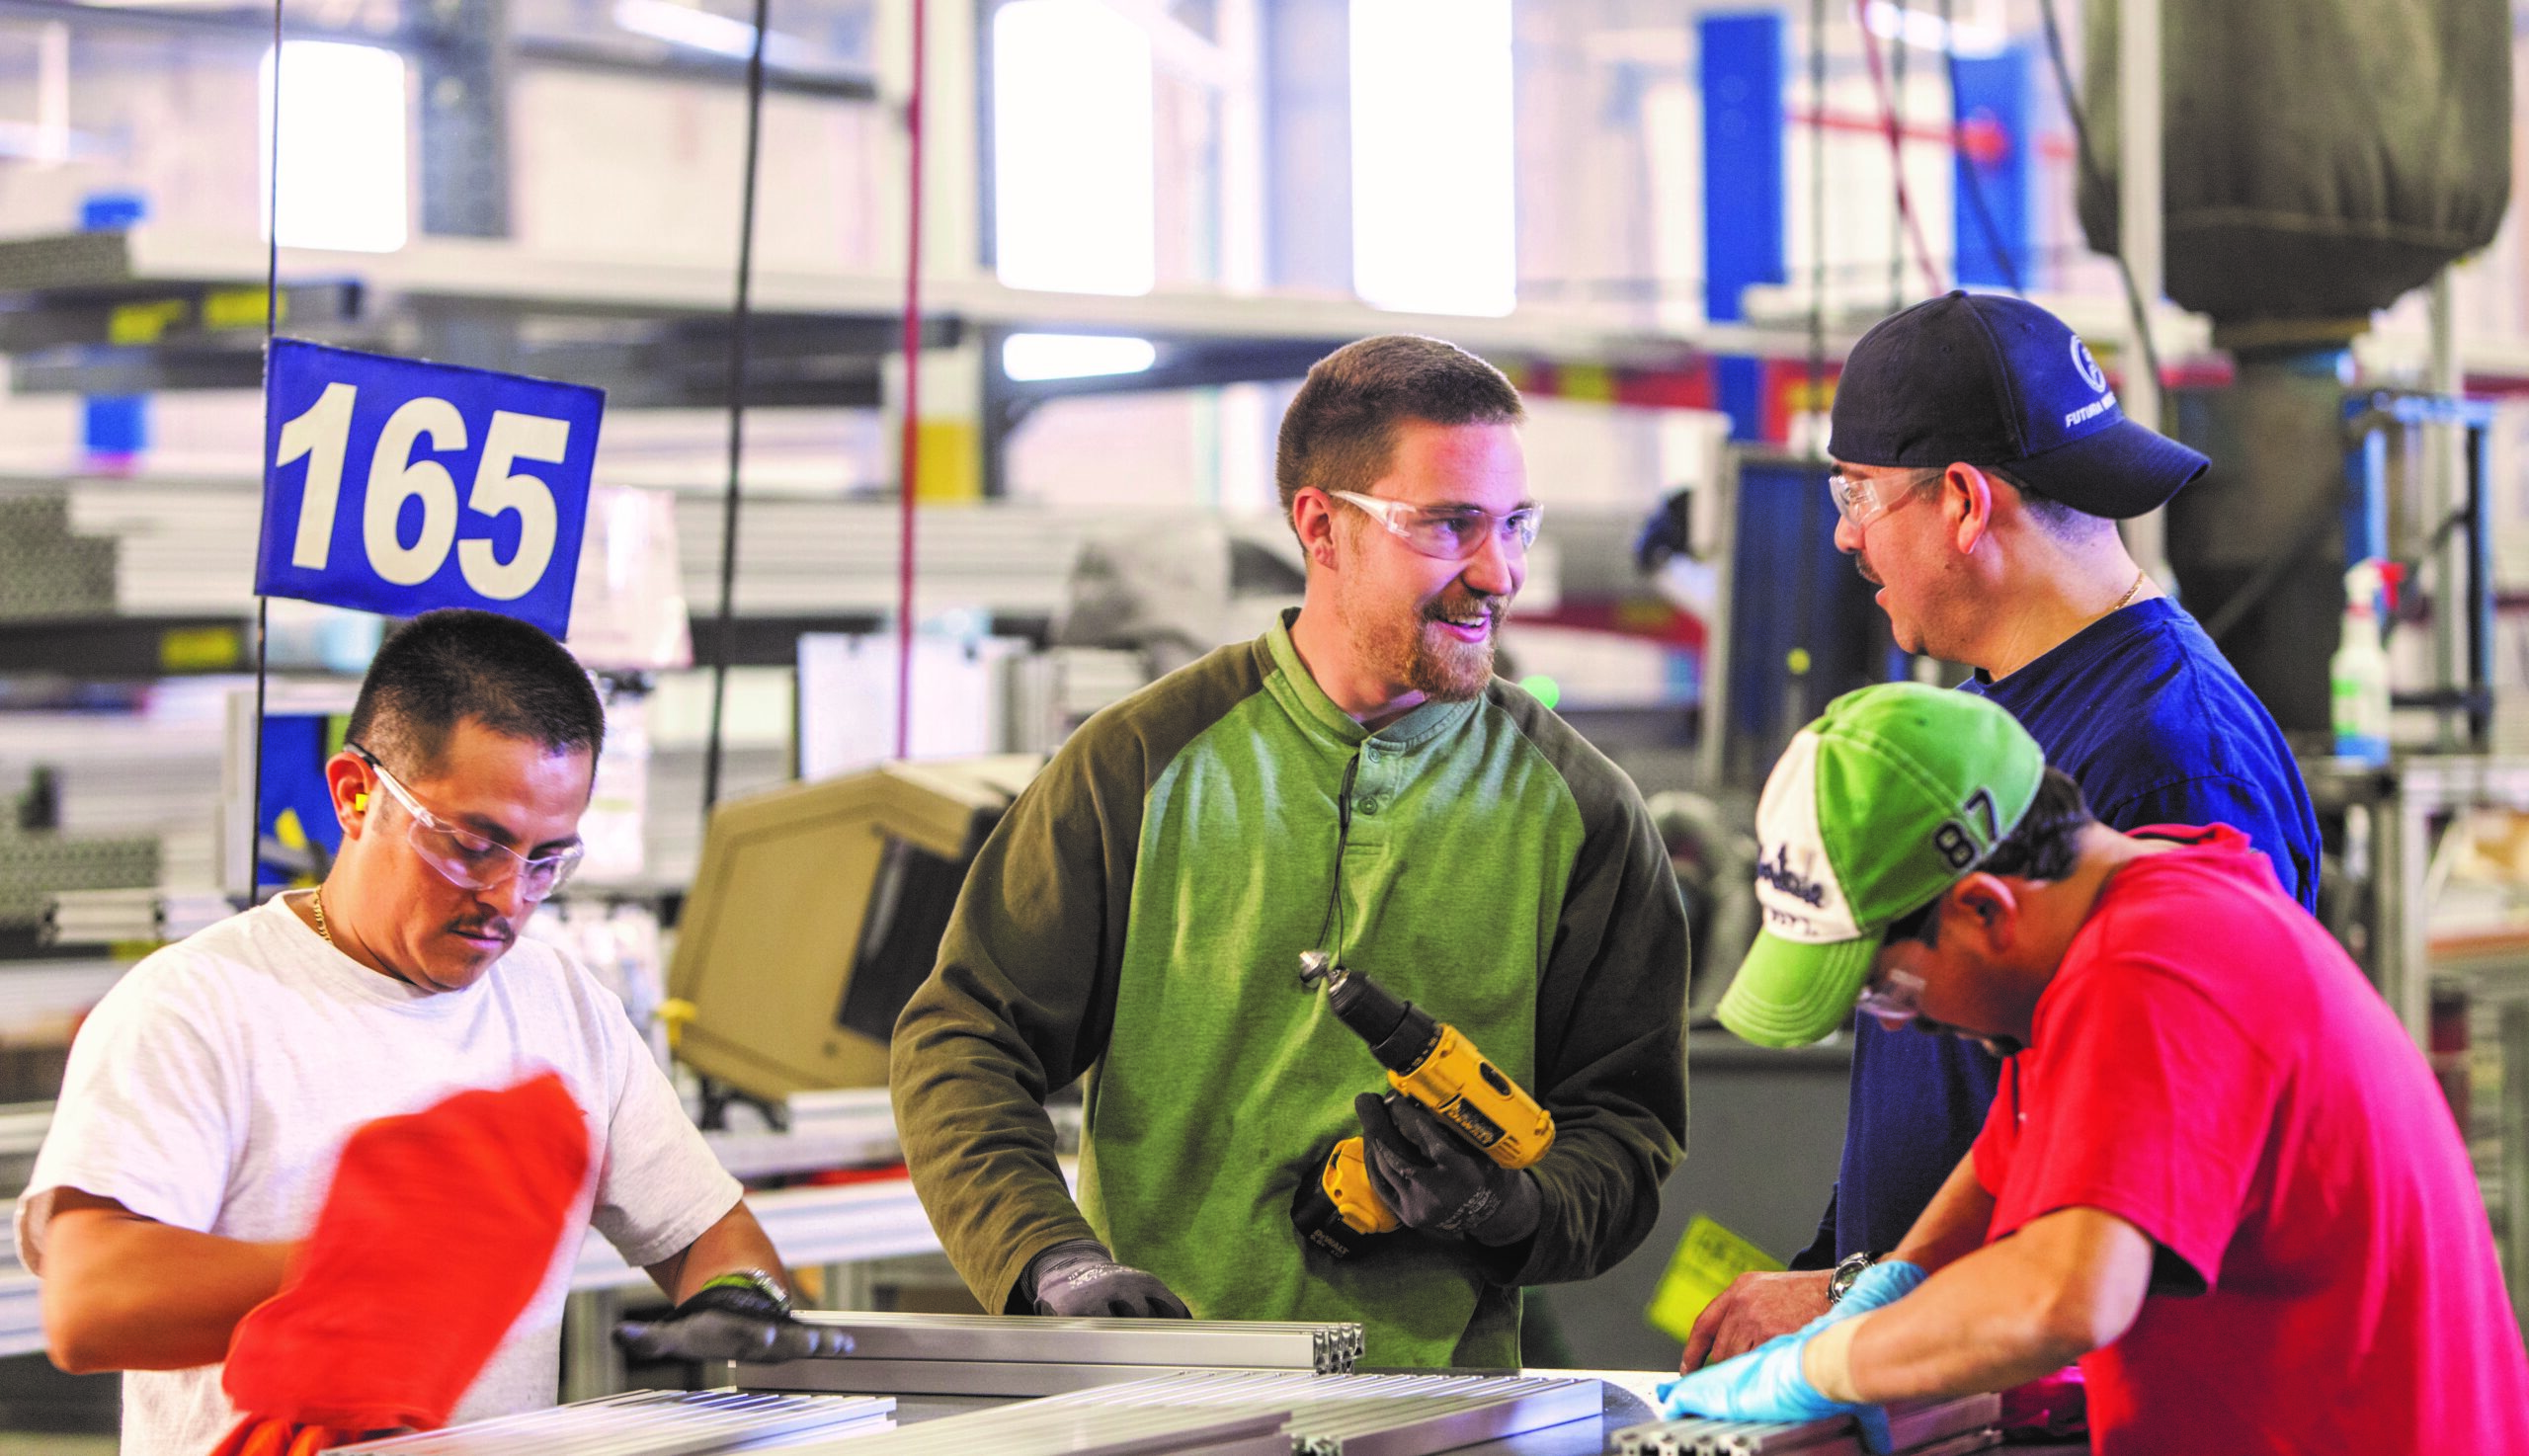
2095, 377
2091, 374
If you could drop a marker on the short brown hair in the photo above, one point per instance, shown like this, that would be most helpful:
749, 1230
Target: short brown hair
1341, 429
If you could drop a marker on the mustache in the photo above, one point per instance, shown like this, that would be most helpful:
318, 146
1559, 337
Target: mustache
496, 925
1861, 564
1464, 603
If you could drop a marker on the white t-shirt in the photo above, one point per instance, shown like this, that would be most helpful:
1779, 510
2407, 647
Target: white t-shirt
213, 1086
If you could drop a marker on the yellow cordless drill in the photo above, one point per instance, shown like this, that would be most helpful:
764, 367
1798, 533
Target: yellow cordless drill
1430, 1061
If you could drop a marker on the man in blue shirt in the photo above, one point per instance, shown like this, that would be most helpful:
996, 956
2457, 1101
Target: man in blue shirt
1983, 466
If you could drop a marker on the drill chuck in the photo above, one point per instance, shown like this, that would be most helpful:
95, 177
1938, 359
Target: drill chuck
1400, 1034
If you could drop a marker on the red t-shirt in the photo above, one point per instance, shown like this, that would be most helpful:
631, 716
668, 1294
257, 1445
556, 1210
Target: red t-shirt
2209, 1066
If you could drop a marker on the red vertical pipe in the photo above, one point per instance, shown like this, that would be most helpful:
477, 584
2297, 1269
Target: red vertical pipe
911, 448
1895, 146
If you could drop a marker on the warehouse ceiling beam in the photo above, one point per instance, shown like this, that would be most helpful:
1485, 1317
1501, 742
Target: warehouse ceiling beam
624, 53
665, 365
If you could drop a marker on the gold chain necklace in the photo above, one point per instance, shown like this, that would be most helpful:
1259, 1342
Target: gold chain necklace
2119, 606
316, 902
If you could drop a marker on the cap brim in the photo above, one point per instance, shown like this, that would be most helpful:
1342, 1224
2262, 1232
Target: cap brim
2119, 472
1787, 994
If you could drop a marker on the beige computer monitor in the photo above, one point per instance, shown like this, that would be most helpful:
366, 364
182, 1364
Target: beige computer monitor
817, 910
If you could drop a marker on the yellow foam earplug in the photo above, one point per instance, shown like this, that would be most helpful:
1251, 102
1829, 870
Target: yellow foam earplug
360, 803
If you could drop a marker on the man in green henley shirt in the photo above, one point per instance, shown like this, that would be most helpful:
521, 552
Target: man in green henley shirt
1355, 780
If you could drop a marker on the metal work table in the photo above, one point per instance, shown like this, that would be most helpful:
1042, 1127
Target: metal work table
1625, 1402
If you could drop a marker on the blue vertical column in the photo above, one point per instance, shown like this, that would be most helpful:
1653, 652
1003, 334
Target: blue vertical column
1743, 188
1997, 158
112, 427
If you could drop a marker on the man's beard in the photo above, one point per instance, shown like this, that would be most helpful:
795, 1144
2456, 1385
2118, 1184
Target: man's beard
1440, 668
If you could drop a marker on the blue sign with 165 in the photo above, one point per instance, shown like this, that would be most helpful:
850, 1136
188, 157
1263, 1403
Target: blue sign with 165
363, 456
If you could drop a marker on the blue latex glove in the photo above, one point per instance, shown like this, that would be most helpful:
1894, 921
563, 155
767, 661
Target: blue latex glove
1768, 1382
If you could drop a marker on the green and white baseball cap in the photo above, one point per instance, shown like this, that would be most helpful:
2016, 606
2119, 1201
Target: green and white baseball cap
1886, 801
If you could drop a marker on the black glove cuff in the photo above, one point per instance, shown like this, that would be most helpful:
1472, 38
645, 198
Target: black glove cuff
1060, 1259
750, 1294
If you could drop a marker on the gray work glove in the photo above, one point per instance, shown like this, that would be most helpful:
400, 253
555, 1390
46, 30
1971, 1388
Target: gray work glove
1080, 1277
736, 1317
1438, 1181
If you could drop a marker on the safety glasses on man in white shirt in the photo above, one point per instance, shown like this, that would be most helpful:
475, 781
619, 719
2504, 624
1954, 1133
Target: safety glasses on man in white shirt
467, 860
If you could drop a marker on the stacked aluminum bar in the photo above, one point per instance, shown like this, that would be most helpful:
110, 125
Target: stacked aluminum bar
1226, 1413
648, 1423
1033, 1355
1913, 1426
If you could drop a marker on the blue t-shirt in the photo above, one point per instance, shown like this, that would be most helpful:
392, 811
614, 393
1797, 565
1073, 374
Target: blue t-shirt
2142, 710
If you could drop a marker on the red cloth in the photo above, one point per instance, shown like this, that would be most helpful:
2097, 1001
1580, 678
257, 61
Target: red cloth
438, 1231
2209, 1066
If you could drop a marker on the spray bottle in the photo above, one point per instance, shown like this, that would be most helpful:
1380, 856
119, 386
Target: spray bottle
2358, 673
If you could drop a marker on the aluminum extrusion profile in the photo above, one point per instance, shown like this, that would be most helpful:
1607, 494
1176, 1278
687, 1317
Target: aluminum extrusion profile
1911, 1425
1461, 1422
1256, 1412
1027, 1429
1771, 1438
1008, 1379
644, 1424
1036, 1356
1325, 1349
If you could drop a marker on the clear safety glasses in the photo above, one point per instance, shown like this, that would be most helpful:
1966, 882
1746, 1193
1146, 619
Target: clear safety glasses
1893, 998
1862, 502
469, 860
1448, 533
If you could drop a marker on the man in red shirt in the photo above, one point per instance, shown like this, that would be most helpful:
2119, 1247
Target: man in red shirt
2217, 1174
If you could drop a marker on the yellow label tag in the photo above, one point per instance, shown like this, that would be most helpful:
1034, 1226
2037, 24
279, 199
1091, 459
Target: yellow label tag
200, 649
1708, 1258
143, 323
240, 308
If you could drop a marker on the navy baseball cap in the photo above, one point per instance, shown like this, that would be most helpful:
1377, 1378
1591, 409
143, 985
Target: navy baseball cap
1995, 380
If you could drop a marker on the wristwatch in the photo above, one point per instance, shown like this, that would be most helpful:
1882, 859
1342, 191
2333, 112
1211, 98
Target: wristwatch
1846, 1272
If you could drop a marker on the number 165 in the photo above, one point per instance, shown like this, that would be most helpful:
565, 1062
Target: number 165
322, 437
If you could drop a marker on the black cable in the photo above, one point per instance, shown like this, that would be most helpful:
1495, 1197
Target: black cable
740, 316
262, 604
1968, 166
2091, 175
1334, 948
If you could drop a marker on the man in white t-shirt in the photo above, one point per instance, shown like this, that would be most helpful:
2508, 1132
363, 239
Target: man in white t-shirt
209, 1095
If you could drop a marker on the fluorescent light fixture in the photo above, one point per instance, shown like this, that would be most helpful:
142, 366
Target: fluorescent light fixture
700, 30
1074, 355
1074, 207
1926, 32
683, 25
342, 151
1434, 226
